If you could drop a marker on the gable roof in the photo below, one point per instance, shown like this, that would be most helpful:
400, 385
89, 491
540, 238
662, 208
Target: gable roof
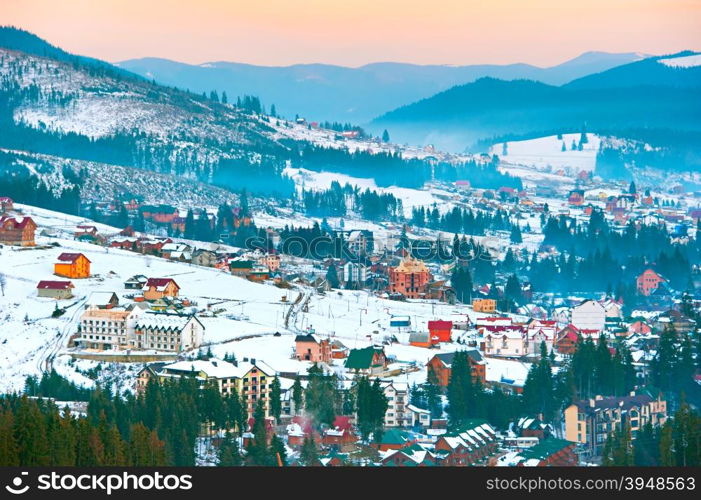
361, 359
19, 222
159, 283
54, 285
447, 357
71, 257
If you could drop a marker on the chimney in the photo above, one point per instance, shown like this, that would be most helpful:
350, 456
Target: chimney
253, 361
245, 360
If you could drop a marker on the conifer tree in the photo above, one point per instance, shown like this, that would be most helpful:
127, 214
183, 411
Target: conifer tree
275, 395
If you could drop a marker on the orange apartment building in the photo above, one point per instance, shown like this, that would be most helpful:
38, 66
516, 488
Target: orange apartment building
17, 231
72, 265
410, 278
484, 305
648, 282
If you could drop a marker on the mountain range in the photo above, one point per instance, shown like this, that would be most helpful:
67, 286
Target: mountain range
653, 93
323, 92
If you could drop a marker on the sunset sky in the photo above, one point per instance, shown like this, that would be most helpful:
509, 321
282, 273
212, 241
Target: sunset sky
352, 33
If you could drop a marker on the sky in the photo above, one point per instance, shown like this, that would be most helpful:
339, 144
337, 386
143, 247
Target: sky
353, 33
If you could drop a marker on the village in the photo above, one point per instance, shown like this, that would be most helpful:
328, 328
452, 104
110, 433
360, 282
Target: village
386, 306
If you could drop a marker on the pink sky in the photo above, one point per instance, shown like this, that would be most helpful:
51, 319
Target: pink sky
352, 33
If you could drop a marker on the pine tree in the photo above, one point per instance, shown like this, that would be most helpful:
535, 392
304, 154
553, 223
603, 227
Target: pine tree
9, 449
385, 136
275, 395
332, 277
257, 452
308, 455
516, 237
297, 395
229, 453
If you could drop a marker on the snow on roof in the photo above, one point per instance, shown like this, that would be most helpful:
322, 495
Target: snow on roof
504, 370
54, 285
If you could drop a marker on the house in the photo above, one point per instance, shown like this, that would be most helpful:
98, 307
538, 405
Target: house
576, 197
472, 442
85, 231
251, 379
145, 375
55, 289
532, 427
409, 278
440, 331
102, 300
439, 367
136, 282
395, 439
648, 282
484, 305
167, 332
508, 375
640, 328
589, 315
241, 267
589, 422
271, 261
157, 288
420, 339
177, 251
72, 265
508, 341
613, 310
567, 339
17, 231
6, 204
418, 417
550, 452
308, 347
368, 361
414, 455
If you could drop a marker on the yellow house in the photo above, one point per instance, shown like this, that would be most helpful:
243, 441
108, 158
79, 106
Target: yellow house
484, 305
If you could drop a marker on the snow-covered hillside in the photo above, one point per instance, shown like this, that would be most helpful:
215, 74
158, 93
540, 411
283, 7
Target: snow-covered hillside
550, 153
682, 62
29, 334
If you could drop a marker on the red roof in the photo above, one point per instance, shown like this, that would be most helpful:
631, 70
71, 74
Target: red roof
54, 285
440, 325
70, 257
19, 222
160, 282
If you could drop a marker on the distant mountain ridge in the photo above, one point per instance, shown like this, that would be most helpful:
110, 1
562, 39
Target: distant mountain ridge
642, 94
327, 92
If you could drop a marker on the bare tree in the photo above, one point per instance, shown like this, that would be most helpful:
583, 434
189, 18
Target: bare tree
3, 284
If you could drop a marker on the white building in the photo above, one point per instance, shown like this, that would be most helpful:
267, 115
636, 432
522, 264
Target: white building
107, 328
168, 332
355, 272
589, 315
397, 414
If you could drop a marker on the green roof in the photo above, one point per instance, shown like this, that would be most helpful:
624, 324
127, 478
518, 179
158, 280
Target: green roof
546, 448
241, 264
394, 436
466, 426
361, 359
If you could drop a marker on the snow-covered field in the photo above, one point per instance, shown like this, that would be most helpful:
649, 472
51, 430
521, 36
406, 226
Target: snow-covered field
425, 197
682, 62
546, 154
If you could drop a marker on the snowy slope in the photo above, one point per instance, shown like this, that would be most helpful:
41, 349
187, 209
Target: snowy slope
682, 62
29, 334
546, 154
